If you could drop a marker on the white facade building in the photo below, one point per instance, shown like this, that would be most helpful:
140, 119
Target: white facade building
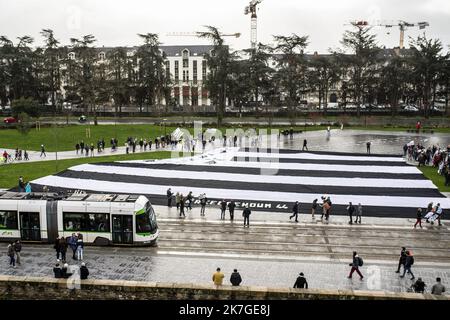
188, 70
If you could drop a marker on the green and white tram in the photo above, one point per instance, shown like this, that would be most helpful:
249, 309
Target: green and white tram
103, 219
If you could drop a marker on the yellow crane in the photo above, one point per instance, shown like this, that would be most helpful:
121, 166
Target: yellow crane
403, 25
251, 9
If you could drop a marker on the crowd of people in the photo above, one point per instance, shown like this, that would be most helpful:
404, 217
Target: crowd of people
430, 156
76, 244
183, 202
19, 155
406, 261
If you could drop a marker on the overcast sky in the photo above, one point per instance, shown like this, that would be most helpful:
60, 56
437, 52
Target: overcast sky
117, 22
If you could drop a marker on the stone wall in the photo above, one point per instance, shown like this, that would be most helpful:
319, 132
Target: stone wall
17, 288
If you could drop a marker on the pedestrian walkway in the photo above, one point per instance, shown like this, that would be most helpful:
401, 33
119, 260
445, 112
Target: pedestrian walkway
212, 214
35, 156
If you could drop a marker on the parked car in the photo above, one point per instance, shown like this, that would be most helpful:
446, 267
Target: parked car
10, 120
436, 109
82, 119
411, 108
330, 105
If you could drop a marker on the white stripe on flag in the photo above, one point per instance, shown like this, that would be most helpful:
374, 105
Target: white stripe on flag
248, 195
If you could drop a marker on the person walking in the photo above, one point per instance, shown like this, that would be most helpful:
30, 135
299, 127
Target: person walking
28, 187
313, 208
80, 247
169, 197
63, 248
217, 277
177, 200
73, 245
438, 288
359, 212
295, 209
235, 278
182, 204
77, 147
305, 145
356, 263
246, 214
223, 208
84, 272
402, 259
11, 254
17, 250
190, 199
368, 144
203, 201
21, 184
439, 213
57, 248
326, 207
301, 282
408, 264
350, 210
419, 218
231, 207
43, 151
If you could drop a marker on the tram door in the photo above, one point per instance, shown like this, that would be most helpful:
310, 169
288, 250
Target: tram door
122, 229
30, 226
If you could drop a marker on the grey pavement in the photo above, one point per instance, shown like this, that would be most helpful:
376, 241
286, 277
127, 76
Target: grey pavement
143, 264
212, 214
270, 253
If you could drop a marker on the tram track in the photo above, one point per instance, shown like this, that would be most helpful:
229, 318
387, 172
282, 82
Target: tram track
302, 240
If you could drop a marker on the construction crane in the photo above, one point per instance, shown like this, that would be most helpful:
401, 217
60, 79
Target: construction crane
196, 34
403, 25
251, 8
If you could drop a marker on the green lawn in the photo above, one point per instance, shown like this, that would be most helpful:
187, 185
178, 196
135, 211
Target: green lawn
431, 173
64, 138
9, 173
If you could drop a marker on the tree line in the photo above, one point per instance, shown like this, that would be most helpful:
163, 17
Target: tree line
276, 74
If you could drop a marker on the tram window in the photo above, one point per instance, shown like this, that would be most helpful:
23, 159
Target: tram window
99, 222
142, 223
8, 219
94, 222
145, 222
152, 216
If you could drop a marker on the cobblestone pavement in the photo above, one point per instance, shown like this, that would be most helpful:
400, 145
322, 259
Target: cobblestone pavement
145, 265
190, 250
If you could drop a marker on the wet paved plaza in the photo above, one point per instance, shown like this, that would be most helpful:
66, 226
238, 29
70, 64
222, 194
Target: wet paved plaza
382, 142
145, 265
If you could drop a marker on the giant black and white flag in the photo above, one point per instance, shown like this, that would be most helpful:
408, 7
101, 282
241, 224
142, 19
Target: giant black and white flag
265, 179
